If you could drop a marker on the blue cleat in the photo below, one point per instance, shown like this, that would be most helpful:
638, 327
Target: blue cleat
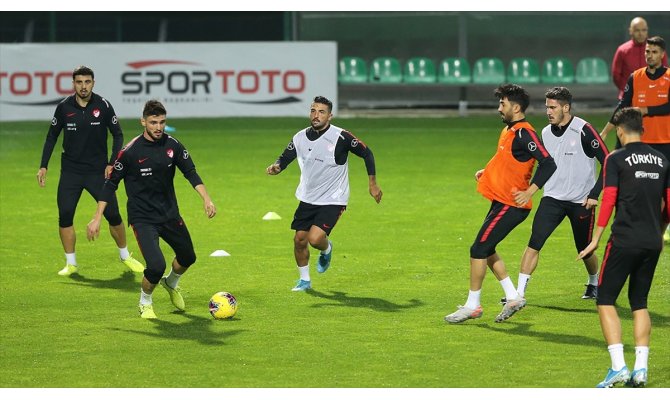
638, 378
324, 260
301, 286
613, 377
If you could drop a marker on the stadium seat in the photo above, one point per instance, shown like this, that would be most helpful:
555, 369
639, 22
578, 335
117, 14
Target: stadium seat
488, 71
385, 70
419, 70
523, 70
454, 71
592, 70
352, 70
558, 70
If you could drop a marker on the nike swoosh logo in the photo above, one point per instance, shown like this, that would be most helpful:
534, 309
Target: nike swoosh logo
326, 226
142, 160
70, 114
584, 216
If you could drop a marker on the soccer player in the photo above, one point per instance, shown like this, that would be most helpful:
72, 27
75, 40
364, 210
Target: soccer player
505, 182
323, 192
637, 183
572, 191
147, 165
86, 118
648, 89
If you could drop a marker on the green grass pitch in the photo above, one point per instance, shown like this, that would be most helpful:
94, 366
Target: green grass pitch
375, 319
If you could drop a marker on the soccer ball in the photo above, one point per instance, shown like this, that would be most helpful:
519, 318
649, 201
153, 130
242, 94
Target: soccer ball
222, 305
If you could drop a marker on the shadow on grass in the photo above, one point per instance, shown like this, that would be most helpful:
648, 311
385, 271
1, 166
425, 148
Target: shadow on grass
196, 329
623, 311
340, 299
126, 282
523, 329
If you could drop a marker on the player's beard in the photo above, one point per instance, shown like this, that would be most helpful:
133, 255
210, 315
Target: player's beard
318, 126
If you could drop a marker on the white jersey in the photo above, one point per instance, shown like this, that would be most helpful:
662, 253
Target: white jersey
322, 180
575, 174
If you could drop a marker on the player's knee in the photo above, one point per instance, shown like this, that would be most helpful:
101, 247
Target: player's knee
603, 299
637, 303
154, 272
114, 220
480, 251
300, 242
535, 244
186, 260
65, 221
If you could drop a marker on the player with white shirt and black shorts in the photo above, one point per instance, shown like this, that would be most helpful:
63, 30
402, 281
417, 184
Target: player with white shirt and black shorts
322, 152
572, 191
637, 184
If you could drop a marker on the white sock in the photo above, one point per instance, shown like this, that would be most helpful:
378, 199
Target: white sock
172, 279
145, 298
473, 299
508, 287
304, 272
123, 253
522, 284
616, 354
641, 357
593, 279
328, 250
70, 258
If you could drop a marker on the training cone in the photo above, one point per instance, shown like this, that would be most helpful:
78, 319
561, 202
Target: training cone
219, 253
271, 216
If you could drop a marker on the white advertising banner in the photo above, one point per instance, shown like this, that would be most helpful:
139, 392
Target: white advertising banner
191, 79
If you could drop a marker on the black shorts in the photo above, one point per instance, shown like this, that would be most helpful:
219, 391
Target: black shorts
551, 213
500, 221
618, 264
175, 234
70, 187
325, 217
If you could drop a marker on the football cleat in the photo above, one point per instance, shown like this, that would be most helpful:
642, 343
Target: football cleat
133, 264
324, 260
147, 311
591, 292
68, 270
510, 308
301, 286
463, 314
638, 378
175, 295
613, 377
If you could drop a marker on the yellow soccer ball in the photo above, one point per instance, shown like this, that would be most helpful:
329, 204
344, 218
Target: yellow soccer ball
222, 305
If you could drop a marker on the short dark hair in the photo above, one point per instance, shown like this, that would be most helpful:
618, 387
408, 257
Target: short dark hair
657, 41
630, 119
82, 70
560, 94
153, 107
323, 100
515, 94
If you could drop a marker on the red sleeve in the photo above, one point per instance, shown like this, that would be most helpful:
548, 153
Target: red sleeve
609, 200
